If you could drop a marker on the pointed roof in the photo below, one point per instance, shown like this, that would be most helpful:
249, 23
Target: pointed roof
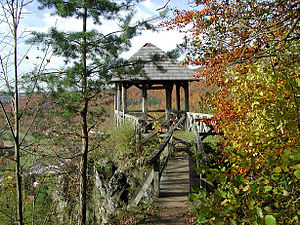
166, 69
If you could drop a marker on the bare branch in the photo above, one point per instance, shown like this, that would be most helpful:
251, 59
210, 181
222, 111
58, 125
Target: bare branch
163, 6
8, 121
104, 36
6, 148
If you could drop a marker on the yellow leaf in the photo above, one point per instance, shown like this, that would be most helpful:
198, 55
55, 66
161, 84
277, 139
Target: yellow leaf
277, 170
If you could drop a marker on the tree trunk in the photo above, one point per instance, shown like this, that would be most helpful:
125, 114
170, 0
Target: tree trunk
84, 130
17, 129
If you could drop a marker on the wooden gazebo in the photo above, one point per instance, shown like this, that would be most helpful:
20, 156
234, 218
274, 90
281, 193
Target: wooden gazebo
158, 75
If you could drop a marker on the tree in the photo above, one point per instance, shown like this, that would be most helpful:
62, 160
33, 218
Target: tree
91, 57
250, 51
16, 120
225, 33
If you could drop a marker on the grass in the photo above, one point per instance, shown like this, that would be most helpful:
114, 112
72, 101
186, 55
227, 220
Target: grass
212, 141
185, 135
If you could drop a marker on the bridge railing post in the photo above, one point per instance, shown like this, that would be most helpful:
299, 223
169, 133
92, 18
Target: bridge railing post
156, 178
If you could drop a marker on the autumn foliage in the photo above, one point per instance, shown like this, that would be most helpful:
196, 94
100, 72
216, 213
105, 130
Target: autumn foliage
250, 51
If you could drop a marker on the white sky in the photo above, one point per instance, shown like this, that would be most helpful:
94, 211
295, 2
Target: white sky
38, 20
41, 20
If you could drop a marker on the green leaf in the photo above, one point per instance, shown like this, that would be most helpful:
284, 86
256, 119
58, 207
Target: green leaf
266, 181
295, 157
201, 218
298, 81
297, 173
234, 144
297, 166
246, 188
223, 193
254, 103
259, 212
270, 220
268, 188
277, 170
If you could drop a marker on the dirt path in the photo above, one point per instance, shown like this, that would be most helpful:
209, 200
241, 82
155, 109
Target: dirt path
174, 189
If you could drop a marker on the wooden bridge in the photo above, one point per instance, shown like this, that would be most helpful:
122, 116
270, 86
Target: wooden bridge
171, 178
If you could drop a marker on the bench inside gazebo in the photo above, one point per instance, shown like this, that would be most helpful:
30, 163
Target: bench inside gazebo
159, 75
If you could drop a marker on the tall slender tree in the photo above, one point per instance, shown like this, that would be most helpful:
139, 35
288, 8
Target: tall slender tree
90, 56
15, 124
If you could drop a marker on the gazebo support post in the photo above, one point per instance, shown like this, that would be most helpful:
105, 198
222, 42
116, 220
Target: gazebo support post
178, 98
169, 88
186, 96
186, 100
117, 104
124, 100
144, 102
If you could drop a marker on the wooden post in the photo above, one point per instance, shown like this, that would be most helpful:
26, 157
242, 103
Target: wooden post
124, 99
144, 101
156, 178
115, 97
186, 102
178, 97
186, 96
169, 88
118, 103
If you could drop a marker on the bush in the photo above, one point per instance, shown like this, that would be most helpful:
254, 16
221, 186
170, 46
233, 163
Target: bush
121, 140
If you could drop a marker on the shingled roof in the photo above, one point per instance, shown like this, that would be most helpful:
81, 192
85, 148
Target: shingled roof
165, 70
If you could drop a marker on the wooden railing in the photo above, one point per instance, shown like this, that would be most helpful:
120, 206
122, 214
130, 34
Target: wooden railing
137, 123
198, 120
199, 149
157, 163
158, 160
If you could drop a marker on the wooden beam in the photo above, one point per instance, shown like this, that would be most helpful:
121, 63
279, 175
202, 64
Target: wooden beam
149, 110
155, 155
168, 99
186, 96
178, 97
139, 86
156, 88
140, 191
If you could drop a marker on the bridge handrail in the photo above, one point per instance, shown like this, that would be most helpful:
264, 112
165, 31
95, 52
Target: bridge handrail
155, 170
155, 155
164, 143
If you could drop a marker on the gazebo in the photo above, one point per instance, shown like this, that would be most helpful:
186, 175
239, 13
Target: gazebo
157, 75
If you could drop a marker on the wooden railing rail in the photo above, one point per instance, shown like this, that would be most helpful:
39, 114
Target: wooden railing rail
152, 134
157, 166
197, 119
155, 155
140, 191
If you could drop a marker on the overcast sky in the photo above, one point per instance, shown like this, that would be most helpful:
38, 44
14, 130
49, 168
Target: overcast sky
42, 20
